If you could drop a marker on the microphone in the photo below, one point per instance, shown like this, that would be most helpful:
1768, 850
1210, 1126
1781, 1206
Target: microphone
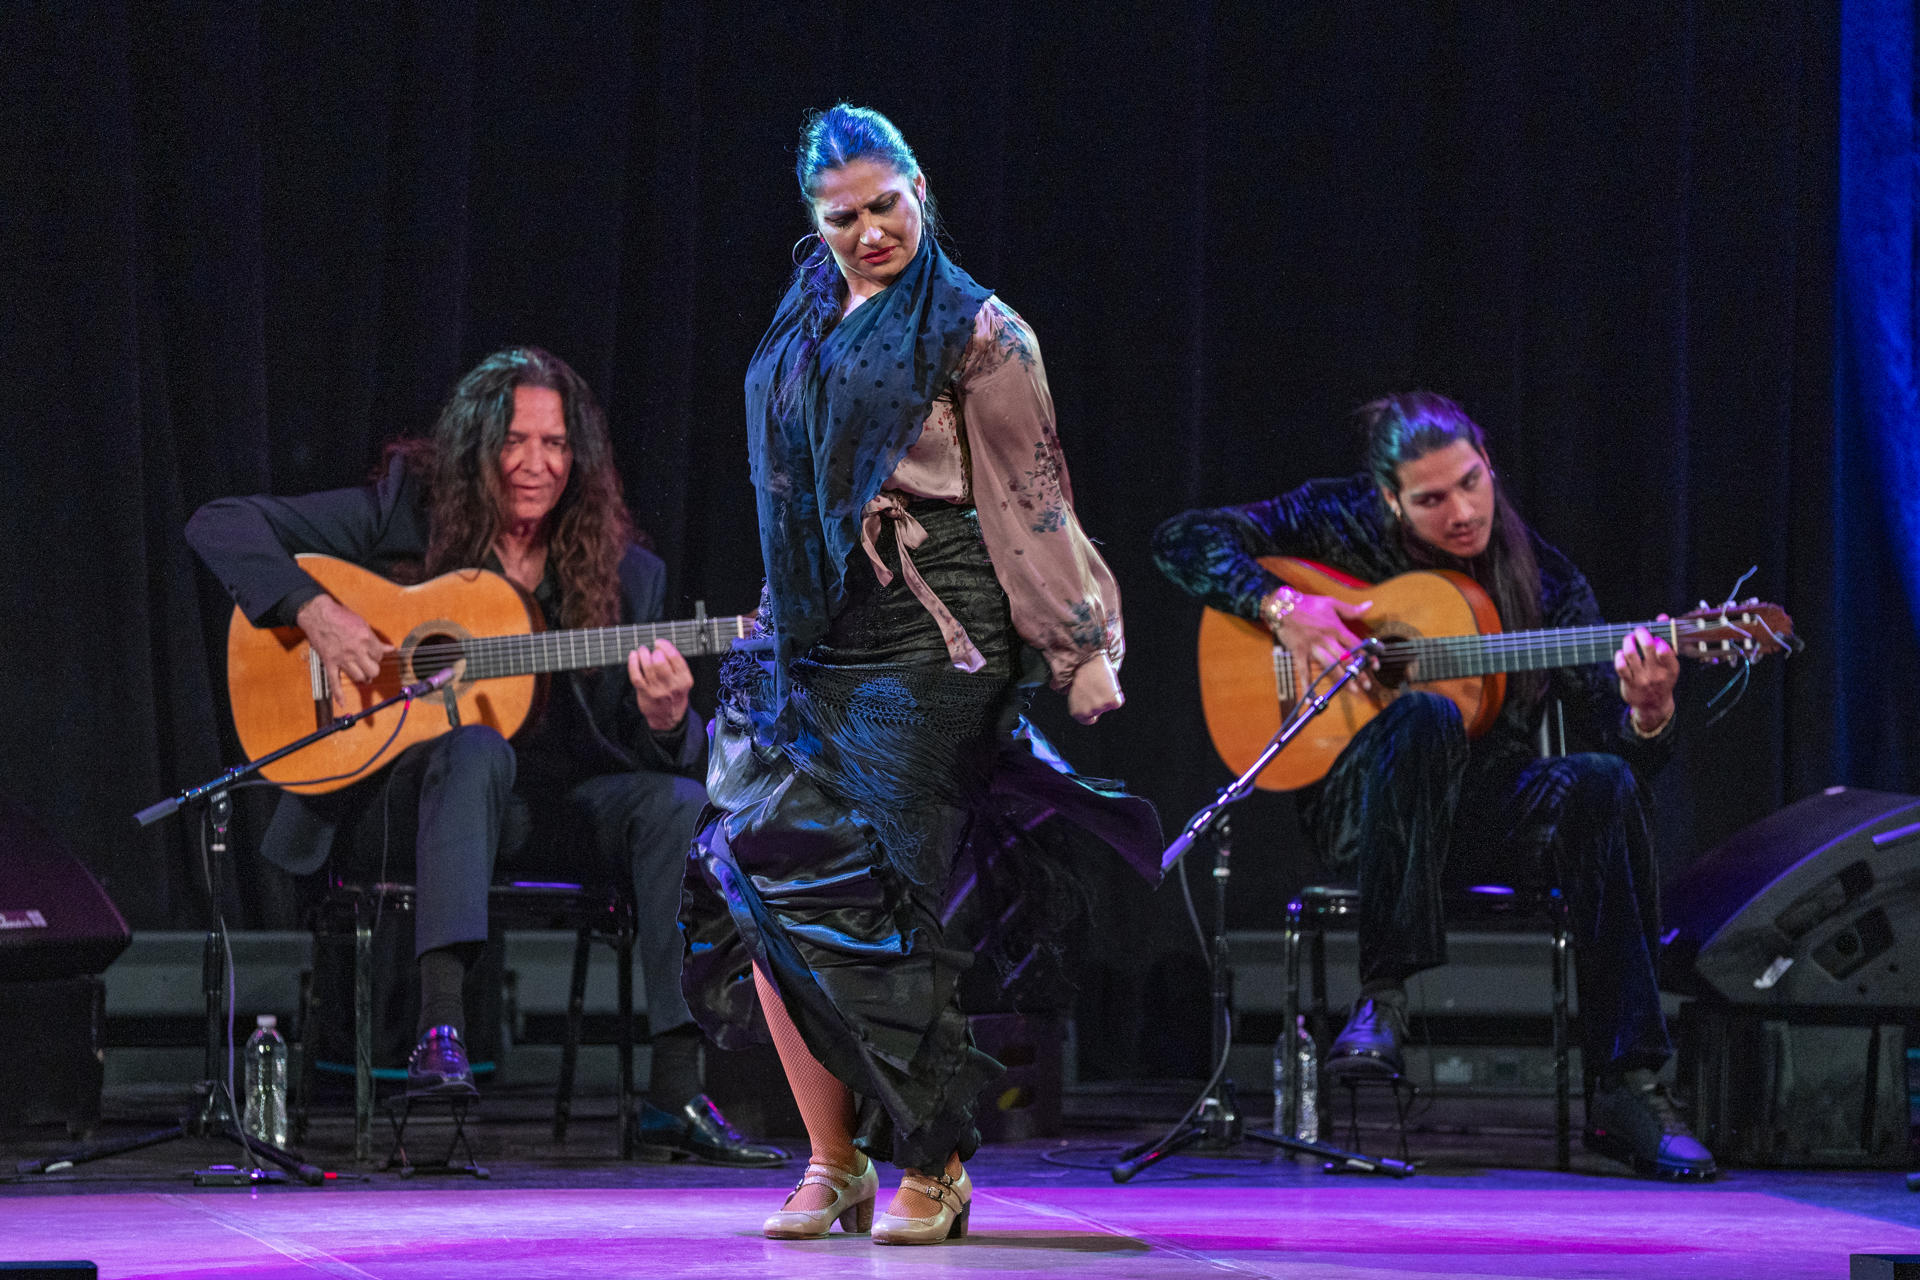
1357, 658
438, 680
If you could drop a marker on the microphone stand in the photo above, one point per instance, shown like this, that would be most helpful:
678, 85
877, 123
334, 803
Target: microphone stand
1216, 1118
216, 1116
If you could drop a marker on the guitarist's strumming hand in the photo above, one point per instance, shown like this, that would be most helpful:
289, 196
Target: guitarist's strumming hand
349, 650
661, 683
1648, 671
1314, 628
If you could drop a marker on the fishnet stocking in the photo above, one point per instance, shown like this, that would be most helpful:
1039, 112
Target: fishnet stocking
911, 1204
826, 1108
826, 1105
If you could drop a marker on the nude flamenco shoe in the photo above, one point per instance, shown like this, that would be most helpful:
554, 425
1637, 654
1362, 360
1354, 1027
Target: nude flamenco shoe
955, 1196
852, 1204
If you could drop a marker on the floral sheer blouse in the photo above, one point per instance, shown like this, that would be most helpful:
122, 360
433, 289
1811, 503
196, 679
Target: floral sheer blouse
991, 442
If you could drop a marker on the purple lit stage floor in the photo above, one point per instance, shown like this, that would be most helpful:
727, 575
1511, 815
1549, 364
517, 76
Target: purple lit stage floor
1193, 1216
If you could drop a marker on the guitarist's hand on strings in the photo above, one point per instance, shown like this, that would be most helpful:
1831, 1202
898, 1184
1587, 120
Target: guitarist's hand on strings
661, 683
350, 651
1314, 628
1648, 671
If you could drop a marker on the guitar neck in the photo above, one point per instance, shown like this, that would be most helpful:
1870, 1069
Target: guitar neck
1452, 657
489, 657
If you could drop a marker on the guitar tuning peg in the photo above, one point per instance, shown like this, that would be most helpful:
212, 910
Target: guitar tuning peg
1705, 605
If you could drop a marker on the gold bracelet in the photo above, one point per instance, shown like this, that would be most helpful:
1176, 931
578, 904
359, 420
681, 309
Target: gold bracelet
1644, 735
1276, 607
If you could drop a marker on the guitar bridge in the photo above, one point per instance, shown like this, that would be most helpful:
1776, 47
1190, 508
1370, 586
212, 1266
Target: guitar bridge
1283, 676
322, 695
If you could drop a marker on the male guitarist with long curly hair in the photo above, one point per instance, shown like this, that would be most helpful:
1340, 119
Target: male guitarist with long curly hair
1411, 804
517, 477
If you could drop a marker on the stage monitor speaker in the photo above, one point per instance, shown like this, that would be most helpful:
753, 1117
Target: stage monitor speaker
55, 919
1817, 905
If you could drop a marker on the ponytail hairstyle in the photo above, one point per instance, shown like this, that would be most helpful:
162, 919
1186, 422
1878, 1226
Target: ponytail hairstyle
1400, 428
833, 139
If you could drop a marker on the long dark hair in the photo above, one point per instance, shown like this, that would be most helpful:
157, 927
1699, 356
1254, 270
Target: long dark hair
588, 530
833, 139
1400, 428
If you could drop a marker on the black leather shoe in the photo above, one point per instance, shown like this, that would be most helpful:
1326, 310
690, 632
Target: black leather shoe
698, 1132
1634, 1120
438, 1065
1370, 1044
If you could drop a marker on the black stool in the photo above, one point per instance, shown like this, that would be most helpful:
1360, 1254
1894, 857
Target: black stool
591, 913
1323, 907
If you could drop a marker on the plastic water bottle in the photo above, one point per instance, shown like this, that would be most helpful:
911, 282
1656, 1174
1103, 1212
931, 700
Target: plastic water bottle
1298, 1047
1307, 1053
266, 1059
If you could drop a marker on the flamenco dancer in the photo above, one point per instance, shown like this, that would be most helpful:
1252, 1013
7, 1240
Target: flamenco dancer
925, 571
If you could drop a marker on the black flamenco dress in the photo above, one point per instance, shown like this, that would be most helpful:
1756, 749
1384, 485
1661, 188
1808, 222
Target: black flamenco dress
881, 742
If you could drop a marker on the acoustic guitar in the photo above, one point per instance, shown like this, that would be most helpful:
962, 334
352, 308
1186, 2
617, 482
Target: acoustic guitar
1439, 631
471, 620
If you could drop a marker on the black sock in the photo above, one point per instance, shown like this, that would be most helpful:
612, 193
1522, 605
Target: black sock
1639, 1079
1385, 991
443, 971
674, 1077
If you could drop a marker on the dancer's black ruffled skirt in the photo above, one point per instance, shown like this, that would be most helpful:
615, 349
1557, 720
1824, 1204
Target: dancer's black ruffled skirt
828, 859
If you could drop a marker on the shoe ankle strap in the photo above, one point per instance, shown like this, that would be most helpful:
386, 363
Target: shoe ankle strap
832, 1177
936, 1189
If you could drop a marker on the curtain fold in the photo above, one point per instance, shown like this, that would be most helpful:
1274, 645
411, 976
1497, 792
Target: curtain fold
1876, 454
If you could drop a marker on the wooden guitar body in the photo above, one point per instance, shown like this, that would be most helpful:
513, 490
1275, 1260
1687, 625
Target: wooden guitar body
1438, 630
1248, 681
268, 668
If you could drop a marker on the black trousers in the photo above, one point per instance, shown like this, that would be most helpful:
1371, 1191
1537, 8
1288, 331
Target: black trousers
1411, 808
449, 813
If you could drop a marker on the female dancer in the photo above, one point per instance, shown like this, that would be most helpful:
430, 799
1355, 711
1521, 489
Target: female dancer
924, 570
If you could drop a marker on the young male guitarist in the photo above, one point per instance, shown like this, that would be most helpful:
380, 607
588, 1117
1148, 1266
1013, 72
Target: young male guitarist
1411, 804
517, 477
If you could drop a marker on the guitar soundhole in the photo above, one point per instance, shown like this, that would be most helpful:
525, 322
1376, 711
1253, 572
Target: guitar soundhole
1396, 664
434, 653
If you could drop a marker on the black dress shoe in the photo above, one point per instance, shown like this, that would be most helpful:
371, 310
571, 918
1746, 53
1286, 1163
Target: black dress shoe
698, 1132
1634, 1120
438, 1066
1370, 1044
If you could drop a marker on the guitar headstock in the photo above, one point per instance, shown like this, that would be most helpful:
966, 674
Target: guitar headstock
1734, 632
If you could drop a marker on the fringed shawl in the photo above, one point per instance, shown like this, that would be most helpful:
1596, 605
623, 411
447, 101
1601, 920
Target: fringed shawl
819, 456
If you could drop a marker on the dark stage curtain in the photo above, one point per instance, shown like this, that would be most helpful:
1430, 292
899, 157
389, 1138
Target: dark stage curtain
1876, 456
243, 244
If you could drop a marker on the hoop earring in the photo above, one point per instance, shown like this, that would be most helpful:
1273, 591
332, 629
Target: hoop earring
811, 261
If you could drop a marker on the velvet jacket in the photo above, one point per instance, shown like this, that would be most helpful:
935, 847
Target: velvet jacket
1344, 523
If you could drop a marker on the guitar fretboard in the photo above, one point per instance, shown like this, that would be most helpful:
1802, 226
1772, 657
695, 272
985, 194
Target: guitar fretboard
1452, 657
489, 657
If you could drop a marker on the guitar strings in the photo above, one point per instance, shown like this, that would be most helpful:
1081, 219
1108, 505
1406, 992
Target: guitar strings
598, 646
1454, 657
1737, 685
1606, 634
